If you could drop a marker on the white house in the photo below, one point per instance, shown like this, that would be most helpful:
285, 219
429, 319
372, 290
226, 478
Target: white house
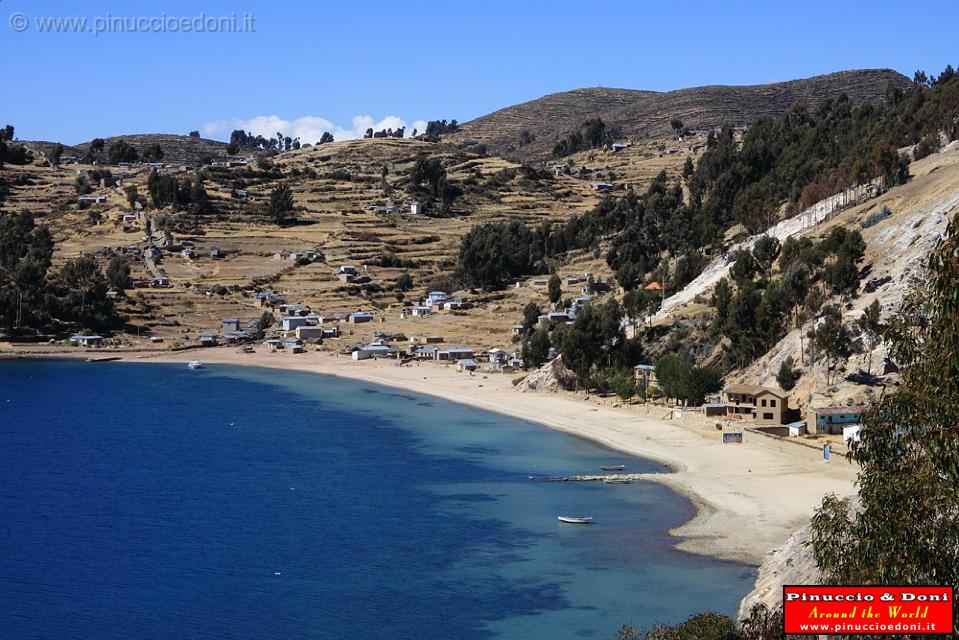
86, 341
416, 208
292, 322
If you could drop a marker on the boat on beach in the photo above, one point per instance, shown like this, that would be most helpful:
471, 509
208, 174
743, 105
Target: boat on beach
612, 467
575, 519
616, 481
194, 364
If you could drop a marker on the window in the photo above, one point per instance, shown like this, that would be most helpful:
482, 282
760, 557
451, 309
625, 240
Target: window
764, 402
767, 416
772, 403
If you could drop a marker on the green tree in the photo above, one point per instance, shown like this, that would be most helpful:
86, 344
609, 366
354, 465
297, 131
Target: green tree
531, 314
670, 371
536, 349
264, 322
831, 338
281, 203
153, 152
555, 289
788, 375
404, 282
871, 326
131, 192
118, 273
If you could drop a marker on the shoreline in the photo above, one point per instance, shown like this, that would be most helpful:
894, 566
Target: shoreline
749, 497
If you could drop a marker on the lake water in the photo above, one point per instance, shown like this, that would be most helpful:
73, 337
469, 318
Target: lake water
151, 501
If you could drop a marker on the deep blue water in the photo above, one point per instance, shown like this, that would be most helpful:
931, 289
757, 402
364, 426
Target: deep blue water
150, 501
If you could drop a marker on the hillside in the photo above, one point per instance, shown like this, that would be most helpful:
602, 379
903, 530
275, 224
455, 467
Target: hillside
175, 148
648, 113
335, 188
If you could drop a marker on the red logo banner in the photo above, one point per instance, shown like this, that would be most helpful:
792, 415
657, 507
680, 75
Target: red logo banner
857, 610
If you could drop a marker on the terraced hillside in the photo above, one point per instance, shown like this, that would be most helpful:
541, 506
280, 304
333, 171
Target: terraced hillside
648, 113
341, 191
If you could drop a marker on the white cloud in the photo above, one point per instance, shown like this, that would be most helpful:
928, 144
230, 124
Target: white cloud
307, 128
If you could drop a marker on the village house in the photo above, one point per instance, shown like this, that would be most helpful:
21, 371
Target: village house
290, 323
417, 312
86, 341
571, 280
310, 332
209, 338
268, 299
455, 354
602, 187
467, 364
759, 404
416, 208
453, 303
616, 147
426, 339
377, 348
294, 345
360, 317
347, 273
229, 325
425, 353
215, 253
834, 420
497, 355
152, 253
518, 329
161, 281
92, 199
189, 254
434, 298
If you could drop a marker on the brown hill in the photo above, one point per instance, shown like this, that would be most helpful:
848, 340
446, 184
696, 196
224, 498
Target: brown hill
648, 113
175, 148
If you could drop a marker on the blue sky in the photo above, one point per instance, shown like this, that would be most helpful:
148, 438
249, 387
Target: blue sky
309, 66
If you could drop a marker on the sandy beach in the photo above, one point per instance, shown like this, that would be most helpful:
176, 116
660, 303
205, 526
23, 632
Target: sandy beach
750, 497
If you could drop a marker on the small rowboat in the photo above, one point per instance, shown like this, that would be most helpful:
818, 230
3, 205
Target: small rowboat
612, 467
616, 480
575, 519
195, 364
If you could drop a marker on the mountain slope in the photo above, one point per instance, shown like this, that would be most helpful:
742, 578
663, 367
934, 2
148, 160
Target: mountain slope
641, 113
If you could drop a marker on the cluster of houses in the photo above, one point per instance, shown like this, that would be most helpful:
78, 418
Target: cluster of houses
433, 302
423, 349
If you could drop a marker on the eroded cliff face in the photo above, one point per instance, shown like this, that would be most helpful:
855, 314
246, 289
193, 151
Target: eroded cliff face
792, 563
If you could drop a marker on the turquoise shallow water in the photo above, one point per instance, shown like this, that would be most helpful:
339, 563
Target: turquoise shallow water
151, 501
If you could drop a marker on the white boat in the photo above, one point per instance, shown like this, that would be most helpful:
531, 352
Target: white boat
195, 364
612, 467
616, 480
575, 519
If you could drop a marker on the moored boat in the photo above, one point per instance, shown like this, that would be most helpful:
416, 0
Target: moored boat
195, 364
616, 480
575, 519
612, 467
